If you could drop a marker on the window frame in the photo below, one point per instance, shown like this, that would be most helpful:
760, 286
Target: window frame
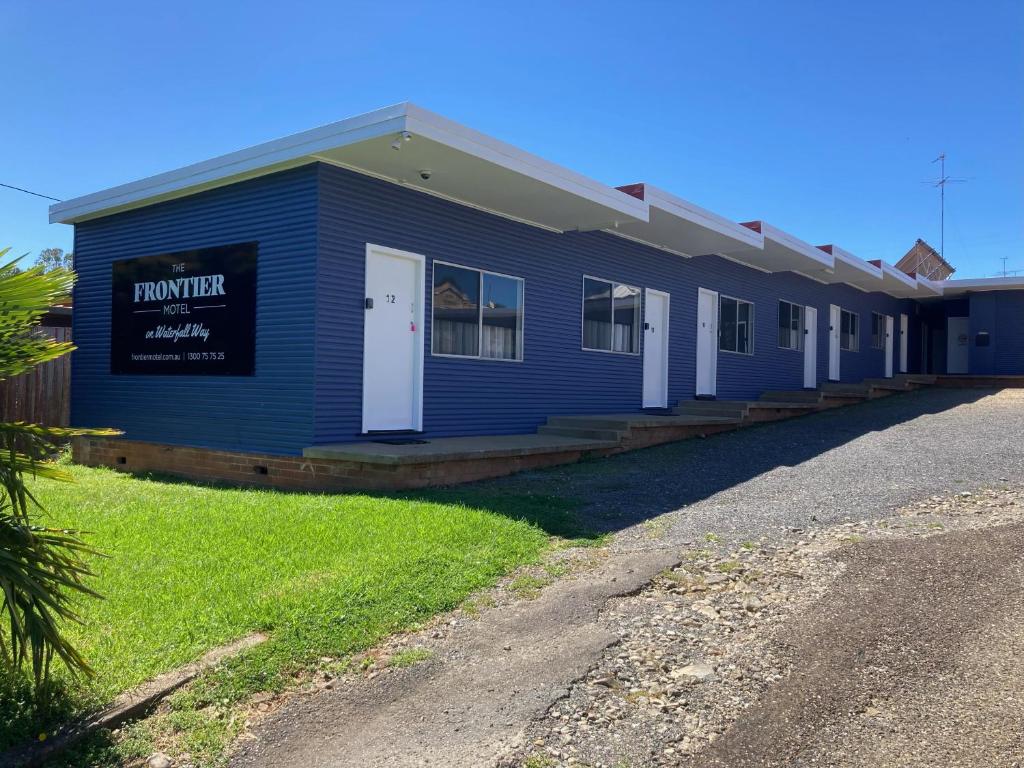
521, 345
750, 332
801, 332
856, 336
881, 330
640, 315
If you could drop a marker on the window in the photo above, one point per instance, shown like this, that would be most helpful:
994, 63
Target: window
877, 331
791, 325
735, 326
611, 316
849, 331
476, 314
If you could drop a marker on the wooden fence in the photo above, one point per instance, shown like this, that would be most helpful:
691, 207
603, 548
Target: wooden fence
42, 396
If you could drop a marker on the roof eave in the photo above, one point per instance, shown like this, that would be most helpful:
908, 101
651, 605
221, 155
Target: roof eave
580, 202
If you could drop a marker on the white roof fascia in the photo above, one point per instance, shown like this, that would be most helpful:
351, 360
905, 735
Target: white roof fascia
433, 126
287, 150
301, 148
819, 257
843, 255
684, 209
961, 286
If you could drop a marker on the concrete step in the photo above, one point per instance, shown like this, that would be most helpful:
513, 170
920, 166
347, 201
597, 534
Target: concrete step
891, 384
845, 387
791, 396
616, 423
699, 419
611, 435
711, 408
839, 394
918, 378
784, 405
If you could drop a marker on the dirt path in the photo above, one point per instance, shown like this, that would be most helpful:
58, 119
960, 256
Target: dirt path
484, 680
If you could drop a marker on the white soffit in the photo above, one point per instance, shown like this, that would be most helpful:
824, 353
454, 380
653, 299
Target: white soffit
896, 282
784, 253
682, 227
851, 270
971, 285
463, 165
928, 288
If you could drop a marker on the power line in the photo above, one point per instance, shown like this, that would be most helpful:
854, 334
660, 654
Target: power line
30, 192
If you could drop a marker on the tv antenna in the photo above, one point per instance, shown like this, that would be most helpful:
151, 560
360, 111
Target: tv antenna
941, 183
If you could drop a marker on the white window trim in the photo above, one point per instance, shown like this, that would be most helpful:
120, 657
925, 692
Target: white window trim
480, 324
640, 318
753, 323
855, 336
803, 326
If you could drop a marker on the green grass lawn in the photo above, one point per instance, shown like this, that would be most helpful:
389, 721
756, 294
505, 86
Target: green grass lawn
190, 567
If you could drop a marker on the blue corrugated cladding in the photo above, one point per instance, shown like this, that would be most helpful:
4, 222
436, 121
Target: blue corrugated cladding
1000, 314
556, 376
271, 411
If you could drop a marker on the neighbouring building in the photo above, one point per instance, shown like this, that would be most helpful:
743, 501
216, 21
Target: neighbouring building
397, 273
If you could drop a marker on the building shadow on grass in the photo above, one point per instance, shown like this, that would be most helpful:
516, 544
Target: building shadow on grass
592, 498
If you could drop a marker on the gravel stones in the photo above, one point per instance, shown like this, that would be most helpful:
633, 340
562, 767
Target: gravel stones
699, 645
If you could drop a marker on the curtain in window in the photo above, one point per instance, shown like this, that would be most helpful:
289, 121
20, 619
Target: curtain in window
611, 316
597, 314
456, 326
791, 325
626, 311
502, 317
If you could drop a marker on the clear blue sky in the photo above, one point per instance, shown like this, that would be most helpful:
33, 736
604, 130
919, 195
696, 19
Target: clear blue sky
820, 117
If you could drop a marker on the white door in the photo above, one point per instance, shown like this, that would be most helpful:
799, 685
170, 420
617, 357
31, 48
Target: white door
904, 341
810, 347
888, 346
834, 321
957, 330
655, 349
707, 342
393, 341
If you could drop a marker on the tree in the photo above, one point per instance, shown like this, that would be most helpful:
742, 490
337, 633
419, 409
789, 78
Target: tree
55, 258
42, 569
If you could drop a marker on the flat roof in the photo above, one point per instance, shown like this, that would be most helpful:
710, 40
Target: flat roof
413, 147
973, 284
783, 252
398, 143
683, 227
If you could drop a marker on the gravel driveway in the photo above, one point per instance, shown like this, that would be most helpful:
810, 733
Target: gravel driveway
860, 462
913, 658
495, 678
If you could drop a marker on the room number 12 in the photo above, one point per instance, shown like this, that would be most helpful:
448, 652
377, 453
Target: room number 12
389, 298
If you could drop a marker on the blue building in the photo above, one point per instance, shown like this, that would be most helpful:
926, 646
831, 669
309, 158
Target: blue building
399, 274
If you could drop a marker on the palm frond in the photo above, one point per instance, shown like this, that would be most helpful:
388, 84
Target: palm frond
43, 570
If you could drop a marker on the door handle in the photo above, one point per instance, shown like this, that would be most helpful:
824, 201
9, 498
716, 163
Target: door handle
368, 303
